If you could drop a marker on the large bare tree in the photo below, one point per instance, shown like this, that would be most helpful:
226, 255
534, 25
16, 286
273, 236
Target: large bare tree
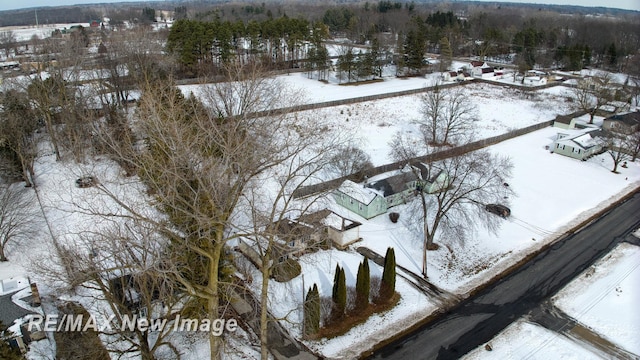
17, 221
593, 93
468, 183
18, 124
198, 160
447, 116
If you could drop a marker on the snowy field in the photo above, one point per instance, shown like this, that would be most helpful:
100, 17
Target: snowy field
373, 124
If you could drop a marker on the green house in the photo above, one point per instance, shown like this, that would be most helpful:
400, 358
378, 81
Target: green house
396, 188
360, 199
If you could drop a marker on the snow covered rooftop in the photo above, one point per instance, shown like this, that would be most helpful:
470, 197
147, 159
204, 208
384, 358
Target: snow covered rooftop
358, 192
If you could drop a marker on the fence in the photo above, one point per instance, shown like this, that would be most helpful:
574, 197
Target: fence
436, 156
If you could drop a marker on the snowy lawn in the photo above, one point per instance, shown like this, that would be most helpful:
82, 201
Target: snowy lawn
525, 340
605, 297
553, 193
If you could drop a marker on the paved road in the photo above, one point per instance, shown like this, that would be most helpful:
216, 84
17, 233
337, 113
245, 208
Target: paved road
476, 320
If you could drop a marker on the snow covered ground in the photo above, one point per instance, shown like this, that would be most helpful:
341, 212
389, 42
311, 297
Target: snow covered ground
604, 298
318, 268
525, 340
546, 203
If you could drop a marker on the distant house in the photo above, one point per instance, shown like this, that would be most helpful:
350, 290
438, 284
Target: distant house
485, 72
535, 80
566, 122
623, 123
580, 146
452, 76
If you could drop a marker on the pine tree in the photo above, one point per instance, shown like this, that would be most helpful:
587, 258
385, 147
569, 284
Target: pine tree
312, 311
388, 283
334, 292
362, 286
340, 298
446, 55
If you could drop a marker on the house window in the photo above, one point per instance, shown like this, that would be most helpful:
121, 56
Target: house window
557, 146
351, 201
292, 243
360, 207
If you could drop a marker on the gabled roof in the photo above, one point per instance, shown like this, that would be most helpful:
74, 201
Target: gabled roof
358, 192
394, 184
476, 63
486, 70
564, 119
630, 119
328, 218
584, 141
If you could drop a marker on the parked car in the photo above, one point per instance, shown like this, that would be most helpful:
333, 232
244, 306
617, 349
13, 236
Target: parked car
498, 209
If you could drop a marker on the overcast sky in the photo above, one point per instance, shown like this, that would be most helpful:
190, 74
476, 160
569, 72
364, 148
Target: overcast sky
621, 4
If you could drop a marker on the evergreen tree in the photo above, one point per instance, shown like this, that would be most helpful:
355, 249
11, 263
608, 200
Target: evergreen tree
612, 55
340, 291
446, 54
312, 311
363, 285
334, 291
388, 283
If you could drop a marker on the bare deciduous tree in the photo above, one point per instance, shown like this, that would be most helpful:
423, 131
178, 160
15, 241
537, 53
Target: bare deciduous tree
457, 205
7, 42
18, 125
197, 163
349, 160
16, 218
592, 94
447, 116
620, 147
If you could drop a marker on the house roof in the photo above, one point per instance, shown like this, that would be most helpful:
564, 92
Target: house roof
394, 184
329, 218
486, 70
584, 141
629, 119
476, 63
564, 119
358, 192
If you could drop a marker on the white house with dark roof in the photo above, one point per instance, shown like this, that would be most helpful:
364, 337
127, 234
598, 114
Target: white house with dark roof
580, 146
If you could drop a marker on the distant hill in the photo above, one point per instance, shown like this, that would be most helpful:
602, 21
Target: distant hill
128, 10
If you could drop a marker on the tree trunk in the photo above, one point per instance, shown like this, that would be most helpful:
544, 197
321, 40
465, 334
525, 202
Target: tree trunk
214, 299
264, 300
